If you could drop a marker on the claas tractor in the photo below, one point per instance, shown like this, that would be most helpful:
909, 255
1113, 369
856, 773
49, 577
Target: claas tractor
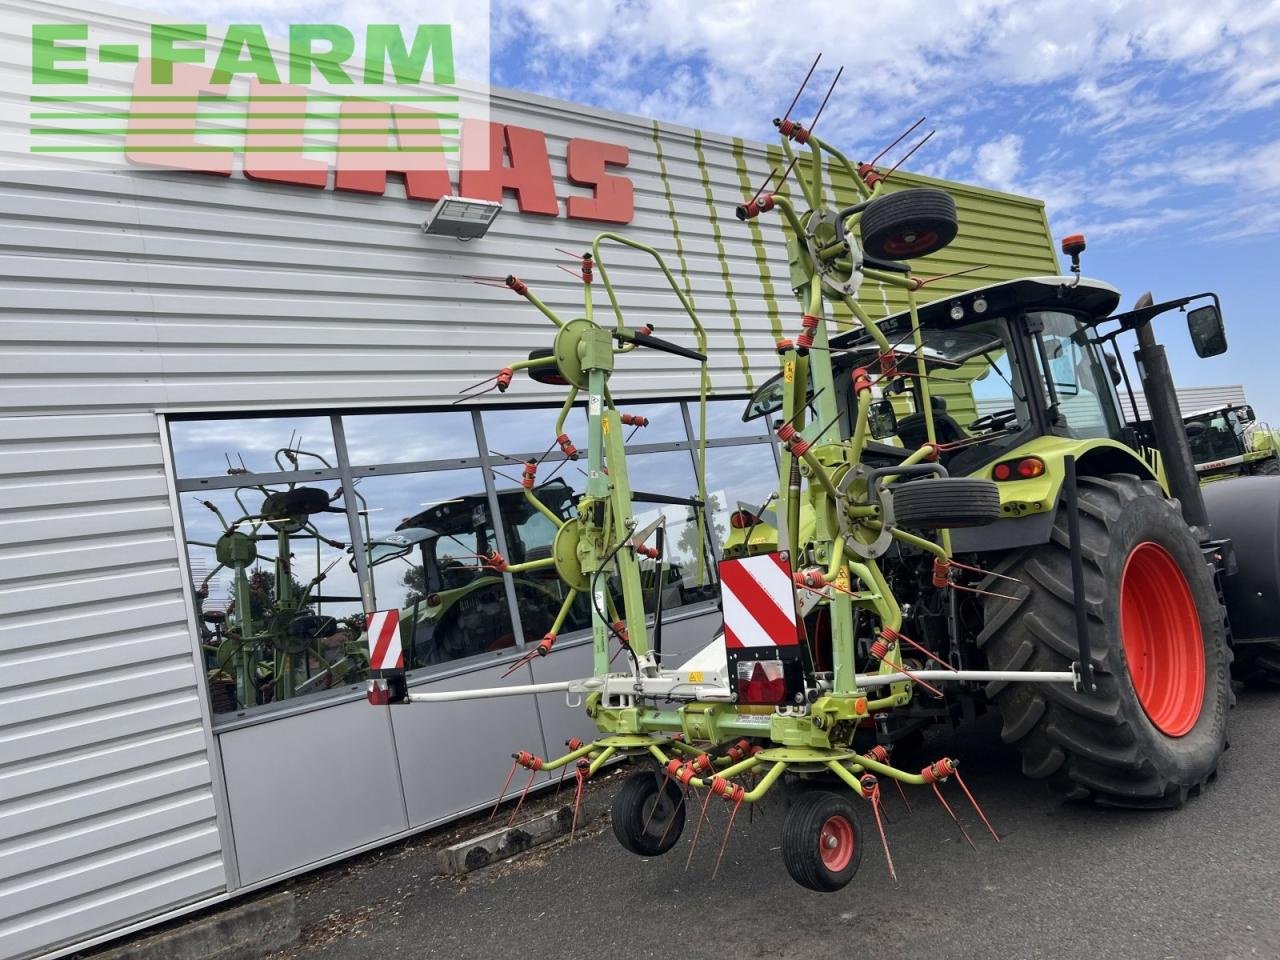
962, 521
1228, 441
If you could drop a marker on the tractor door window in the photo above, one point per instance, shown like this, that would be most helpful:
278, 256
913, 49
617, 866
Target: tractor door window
996, 396
1078, 378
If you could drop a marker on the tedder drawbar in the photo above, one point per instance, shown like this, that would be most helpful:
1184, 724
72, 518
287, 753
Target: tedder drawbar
963, 518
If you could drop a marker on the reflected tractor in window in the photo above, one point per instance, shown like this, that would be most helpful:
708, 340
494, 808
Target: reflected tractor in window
962, 522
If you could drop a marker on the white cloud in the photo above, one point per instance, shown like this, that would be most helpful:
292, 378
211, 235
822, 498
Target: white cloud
999, 162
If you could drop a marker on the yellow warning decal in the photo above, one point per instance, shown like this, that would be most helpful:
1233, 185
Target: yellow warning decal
842, 579
695, 676
789, 371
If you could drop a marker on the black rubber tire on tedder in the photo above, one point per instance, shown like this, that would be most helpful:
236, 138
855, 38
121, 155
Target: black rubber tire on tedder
642, 829
909, 224
821, 840
935, 503
546, 374
1107, 745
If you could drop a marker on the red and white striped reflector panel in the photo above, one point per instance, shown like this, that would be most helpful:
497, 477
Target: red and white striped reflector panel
383, 631
759, 599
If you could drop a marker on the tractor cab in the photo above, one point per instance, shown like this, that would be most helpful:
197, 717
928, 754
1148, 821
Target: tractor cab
1002, 366
994, 369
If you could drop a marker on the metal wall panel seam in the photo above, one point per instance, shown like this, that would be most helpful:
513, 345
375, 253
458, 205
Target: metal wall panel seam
217, 781
757, 242
671, 211
714, 217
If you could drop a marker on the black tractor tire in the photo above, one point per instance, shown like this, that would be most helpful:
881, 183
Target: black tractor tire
1104, 745
1269, 467
821, 840
946, 502
909, 224
642, 829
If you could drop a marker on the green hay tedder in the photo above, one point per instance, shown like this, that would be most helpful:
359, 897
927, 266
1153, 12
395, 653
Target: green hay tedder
923, 560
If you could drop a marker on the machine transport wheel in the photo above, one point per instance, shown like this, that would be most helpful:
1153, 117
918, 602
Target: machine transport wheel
549, 375
648, 813
909, 224
1246, 511
1269, 468
946, 502
821, 840
1155, 728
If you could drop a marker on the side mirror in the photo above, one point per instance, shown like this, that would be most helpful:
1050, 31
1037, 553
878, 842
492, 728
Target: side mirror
1246, 414
1208, 335
882, 419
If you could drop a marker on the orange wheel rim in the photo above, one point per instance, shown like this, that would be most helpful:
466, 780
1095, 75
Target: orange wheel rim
836, 843
1163, 644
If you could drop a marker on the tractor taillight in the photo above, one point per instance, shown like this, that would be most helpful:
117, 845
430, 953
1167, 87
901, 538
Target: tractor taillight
1029, 467
1024, 468
743, 520
762, 681
433, 600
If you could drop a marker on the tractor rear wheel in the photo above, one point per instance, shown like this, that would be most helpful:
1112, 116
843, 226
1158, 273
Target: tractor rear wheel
1155, 728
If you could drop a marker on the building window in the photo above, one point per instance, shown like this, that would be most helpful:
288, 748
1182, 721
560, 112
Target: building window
279, 511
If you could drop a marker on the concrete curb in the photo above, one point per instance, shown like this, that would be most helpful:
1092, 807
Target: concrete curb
247, 931
497, 845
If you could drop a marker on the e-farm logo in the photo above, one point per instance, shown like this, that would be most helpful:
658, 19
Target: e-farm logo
116, 88
244, 51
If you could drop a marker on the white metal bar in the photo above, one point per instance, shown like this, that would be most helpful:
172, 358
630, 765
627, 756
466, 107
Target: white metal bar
990, 676
666, 686
479, 693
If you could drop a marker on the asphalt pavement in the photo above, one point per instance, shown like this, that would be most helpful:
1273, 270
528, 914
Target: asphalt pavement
1068, 880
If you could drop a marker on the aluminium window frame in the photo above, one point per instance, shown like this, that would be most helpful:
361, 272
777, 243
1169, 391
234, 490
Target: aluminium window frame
345, 472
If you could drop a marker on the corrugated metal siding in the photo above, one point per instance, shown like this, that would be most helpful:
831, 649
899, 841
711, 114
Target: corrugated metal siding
129, 292
1190, 399
106, 811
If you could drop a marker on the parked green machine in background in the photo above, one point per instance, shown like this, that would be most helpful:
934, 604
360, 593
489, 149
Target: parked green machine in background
1229, 441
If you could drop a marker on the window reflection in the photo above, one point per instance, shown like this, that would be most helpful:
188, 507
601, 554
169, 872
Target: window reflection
519, 433
724, 419
208, 448
688, 577
744, 476
280, 608
408, 437
531, 534
431, 537
280, 615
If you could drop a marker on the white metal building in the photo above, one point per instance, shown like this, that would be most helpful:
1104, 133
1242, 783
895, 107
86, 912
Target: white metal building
154, 322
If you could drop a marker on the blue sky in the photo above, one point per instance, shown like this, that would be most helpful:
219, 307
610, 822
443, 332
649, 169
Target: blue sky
1153, 127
